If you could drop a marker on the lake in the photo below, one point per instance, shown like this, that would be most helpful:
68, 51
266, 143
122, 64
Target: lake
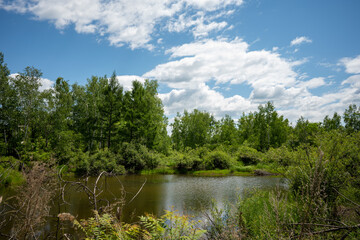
187, 194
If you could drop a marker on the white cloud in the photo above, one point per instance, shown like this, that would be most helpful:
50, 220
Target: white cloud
313, 83
270, 76
122, 21
19, 6
352, 65
45, 83
126, 80
204, 98
354, 81
199, 24
223, 61
300, 40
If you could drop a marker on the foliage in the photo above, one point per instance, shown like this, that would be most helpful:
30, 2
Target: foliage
136, 157
264, 129
105, 161
248, 155
187, 161
225, 223
218, 159
9, 174
304, 133
352, 118
192, 129
169, 226
281, 156
99, 227
332, 123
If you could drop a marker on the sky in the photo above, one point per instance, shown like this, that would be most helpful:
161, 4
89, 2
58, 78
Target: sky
221, 56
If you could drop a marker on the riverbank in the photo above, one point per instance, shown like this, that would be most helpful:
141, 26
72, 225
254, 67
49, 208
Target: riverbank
249, 171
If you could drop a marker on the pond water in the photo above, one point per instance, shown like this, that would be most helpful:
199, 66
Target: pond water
187, 194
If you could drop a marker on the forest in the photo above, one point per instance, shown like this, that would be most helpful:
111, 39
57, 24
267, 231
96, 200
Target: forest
101, 127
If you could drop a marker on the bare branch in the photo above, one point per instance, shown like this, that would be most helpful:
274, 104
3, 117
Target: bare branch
138, 191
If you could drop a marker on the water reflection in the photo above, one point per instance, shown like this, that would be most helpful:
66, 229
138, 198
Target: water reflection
188, 194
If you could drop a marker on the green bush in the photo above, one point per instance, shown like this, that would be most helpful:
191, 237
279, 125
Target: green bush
218, 159
187, 161
281, 156
105, 161
248, 155
9, 174
151, 158
83, 164
134, 157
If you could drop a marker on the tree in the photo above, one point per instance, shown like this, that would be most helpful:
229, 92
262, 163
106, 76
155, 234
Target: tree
27, 86
264, 129
111, 109
192, 129
332, 123
225, 131
352, 118
7, 108
144, 114
305, 132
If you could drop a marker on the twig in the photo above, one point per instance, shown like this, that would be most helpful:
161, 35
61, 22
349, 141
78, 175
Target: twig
356, 204
331, 230
138, 192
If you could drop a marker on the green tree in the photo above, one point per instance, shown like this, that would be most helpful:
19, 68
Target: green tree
264, 129
8, 110
27, 86
192, 129
304, 132
144, 114
332, 123
352, 118
225, 131
111, 109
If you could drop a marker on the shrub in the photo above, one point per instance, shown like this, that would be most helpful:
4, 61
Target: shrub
281, 156
186, 161
105, 161
248, 155
218, 159
151, 159
9, 174
135, 157
80, 162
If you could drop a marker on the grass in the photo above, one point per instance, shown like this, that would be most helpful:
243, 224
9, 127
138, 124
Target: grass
219, 173
10, 177
164, 171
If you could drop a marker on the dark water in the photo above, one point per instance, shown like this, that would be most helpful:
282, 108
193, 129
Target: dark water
187, 194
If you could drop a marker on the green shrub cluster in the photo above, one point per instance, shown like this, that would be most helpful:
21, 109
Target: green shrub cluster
218, 159
9, 174
248, 155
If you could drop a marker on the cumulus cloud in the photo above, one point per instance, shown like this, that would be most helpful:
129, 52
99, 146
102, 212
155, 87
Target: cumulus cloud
204, 98
352, 65
271, 77
125, 22
223, 61
45, 83
313, 83
126, 80
199, 24
354, 81
300, 40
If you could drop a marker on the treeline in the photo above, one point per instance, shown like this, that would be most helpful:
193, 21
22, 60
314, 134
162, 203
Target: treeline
37, 125
101, 126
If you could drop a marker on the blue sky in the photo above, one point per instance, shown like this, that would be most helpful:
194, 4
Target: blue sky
224, 56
